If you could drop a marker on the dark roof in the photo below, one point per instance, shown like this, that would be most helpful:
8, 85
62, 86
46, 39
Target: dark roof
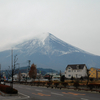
77, 66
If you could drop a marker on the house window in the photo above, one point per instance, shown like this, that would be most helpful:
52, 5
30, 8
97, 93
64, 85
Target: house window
78, 70
91, 71
69, 70
69, 75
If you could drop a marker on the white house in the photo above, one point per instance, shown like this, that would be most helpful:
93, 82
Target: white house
76, 71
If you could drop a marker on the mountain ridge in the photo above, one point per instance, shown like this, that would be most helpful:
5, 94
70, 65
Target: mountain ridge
45, 41
47, 51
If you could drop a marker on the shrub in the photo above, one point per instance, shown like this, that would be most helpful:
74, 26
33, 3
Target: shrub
64, 84
62, 78
76, 84
56, 84
49, 83
72, 78
91, 79
7, 89
91, 86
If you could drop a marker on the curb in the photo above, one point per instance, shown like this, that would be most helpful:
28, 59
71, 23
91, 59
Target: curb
83, 90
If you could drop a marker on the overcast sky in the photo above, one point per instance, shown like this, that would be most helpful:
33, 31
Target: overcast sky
76, 22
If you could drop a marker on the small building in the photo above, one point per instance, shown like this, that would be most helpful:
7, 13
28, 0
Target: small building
24, 75
51, 73
94, 72
56, 77
39, 76
76, 71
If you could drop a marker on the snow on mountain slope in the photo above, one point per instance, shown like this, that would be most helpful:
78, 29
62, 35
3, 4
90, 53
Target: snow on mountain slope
47, 44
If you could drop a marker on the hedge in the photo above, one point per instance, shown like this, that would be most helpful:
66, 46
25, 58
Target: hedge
7, 89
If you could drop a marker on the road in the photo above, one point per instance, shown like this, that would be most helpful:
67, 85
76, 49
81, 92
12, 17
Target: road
43, 93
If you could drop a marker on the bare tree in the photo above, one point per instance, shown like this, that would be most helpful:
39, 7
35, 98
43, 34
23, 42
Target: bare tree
33, 71
88, 74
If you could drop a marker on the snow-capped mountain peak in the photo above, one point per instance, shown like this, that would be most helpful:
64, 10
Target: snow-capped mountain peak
42, 37
47, 44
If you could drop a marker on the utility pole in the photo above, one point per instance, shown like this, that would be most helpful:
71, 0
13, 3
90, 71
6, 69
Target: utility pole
28, 69
0, 73
15, 60
19, 72
9, 72
12, 67
29, 65
60, 75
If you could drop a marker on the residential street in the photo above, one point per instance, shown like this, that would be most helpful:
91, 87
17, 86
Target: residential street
43, 93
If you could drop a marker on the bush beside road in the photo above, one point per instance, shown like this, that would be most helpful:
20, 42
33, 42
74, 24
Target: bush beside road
66, 85
7, 89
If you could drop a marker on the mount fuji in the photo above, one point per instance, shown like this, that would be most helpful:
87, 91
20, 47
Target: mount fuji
47, 51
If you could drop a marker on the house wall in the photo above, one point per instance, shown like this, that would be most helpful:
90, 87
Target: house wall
98, 74
93, 73
56, 76
76, 73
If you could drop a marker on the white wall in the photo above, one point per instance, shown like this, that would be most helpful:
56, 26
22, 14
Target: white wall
75, 73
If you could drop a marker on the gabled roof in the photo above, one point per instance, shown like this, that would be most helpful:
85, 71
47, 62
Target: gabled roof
77, 66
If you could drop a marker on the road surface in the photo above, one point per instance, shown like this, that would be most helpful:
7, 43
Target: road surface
43, 93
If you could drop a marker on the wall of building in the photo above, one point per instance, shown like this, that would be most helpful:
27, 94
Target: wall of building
76, 73
98, 74
93, 73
